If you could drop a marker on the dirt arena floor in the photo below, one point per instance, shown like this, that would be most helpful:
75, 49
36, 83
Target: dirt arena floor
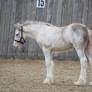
28, 76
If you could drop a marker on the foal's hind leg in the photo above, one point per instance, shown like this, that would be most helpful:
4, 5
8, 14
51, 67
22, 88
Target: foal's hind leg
89, 55
90, 60
83, 62
49, 65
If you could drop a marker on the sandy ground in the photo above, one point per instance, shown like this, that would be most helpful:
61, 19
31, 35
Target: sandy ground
28, 76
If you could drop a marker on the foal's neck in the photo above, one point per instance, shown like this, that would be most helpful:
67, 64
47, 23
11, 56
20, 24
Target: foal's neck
30, 31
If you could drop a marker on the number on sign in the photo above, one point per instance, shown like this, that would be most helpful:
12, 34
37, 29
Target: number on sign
40, 3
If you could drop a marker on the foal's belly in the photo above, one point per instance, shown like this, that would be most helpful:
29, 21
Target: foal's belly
61, 45
62, 48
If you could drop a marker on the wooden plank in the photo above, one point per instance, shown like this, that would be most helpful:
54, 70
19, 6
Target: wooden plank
19, 4
54, 11
89, 21
77, 11
49, 10
41, 13
11, 30
0, 27
0, 10
5, 18
59, 13
85, 12
70, 12
65, 13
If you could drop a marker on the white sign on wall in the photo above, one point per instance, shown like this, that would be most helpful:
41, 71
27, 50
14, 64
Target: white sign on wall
40, 4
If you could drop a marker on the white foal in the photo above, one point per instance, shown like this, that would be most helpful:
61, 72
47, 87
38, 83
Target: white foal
51, 38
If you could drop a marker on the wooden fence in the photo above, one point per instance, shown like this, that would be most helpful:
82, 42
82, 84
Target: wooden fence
57, 12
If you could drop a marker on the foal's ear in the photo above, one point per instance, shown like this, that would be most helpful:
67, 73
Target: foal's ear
18, 25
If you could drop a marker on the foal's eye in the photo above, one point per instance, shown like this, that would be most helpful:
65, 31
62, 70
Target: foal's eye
17, 34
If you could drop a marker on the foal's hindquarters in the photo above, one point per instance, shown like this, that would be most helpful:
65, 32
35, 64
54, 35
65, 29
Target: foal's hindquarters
80, 42
77, 35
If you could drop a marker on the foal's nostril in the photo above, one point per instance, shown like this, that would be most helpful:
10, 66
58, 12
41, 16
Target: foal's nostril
16, 46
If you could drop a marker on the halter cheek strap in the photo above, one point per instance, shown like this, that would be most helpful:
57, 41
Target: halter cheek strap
22, 40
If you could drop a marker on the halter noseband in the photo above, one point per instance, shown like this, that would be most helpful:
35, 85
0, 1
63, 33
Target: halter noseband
22, 40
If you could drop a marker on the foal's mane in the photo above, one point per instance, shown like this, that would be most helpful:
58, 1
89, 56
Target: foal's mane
36, 22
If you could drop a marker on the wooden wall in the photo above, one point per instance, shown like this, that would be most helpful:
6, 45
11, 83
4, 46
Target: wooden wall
57, 12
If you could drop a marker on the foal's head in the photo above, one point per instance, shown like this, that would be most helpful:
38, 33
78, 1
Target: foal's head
19, 36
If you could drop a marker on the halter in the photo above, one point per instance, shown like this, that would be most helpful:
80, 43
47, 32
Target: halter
22, 40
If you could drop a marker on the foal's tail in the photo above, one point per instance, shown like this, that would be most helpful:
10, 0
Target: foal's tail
89, 38
89, 46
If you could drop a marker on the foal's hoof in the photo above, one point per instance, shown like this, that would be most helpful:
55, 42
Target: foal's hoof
47, 81
78, 83
90, 83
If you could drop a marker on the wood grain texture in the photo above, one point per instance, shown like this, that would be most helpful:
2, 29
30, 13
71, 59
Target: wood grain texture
57, 12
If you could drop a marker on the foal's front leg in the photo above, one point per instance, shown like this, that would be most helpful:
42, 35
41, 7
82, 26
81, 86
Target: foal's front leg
49, 65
